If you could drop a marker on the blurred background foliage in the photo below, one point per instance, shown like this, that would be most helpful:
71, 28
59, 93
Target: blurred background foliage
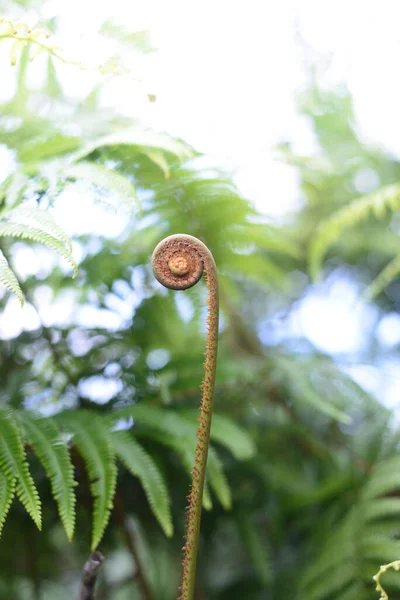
303, 483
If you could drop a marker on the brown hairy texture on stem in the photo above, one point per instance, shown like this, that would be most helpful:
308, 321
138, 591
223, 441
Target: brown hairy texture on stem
178, 263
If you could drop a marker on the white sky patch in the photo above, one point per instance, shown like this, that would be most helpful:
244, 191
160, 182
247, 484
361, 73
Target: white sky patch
333, 320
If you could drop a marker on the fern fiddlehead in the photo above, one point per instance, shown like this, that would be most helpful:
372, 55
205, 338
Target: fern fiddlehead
178, 263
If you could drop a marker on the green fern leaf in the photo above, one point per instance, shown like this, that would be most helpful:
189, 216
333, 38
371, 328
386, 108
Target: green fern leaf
7, 492
217, 480
377, 203
102, 177
255, 545
30, 233
184, 448
13, 464
45, 438
136, 137
93, 440
33, 216
142, 466
14, 188
158, 159
227, 433
8, 279
390, 272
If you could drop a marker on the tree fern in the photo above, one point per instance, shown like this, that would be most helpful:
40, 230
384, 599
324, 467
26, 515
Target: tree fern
92, 439
142, 466
45, 438
14, 465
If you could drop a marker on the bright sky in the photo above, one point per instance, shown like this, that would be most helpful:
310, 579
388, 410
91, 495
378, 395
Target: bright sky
226, 75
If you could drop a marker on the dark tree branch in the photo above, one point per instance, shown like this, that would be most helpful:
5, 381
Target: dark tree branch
89, 576
130, 541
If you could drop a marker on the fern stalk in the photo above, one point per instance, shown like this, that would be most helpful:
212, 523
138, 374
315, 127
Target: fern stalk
178, 263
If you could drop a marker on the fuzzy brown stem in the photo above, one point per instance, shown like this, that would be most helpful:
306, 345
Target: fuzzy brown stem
178, 263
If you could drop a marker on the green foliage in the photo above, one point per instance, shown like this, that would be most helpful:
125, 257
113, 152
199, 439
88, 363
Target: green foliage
99, 446
141, 465
47, 443
305, 459
15, 469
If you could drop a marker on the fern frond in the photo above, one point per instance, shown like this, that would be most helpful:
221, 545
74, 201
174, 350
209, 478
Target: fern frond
227, 433
30, 233
33, 216
93, 441
377, 203
8, 279
158, 159
102, 177
161, 419
296, 377
184, 448
45, 438
7, 492
136, 137
217, 479
13, 189
388, 274
141, 465
14, 465
255, 545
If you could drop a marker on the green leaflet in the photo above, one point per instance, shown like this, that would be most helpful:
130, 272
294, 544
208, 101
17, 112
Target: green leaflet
8, 279
92, 439
26, 214
14, 466
184, 448
142, 466
26, 232
7, 492
136, 137
100, 176
217, 480
45, 438
377, 203
227, 433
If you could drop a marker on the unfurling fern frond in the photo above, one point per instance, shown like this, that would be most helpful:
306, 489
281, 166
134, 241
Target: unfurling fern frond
8, 279
142, 466
45, 438
92, 439
100, 176
377, 203
14, 466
